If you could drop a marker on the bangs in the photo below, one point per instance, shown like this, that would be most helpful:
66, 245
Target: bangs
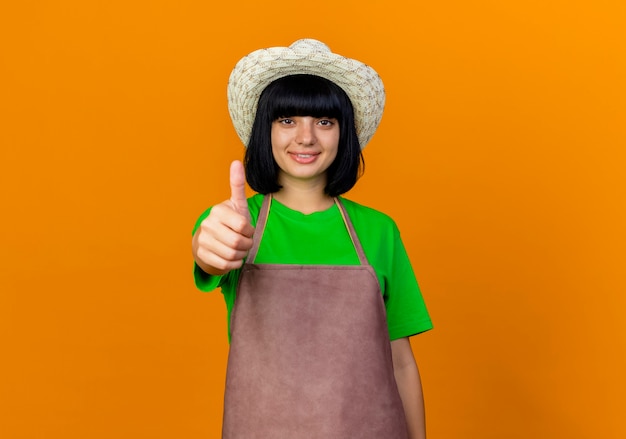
304, 95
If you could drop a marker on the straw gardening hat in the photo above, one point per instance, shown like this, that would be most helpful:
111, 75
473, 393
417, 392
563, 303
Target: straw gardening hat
257, 70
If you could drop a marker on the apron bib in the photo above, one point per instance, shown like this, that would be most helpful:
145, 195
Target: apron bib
310, 356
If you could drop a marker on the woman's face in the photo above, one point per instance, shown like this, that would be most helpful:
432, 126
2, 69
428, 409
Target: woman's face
304, 147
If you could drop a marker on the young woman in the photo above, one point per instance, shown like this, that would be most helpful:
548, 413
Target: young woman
320, 293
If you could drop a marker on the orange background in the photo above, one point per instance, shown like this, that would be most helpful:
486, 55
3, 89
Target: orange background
500, 155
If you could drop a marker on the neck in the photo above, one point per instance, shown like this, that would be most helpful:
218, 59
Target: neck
304, 199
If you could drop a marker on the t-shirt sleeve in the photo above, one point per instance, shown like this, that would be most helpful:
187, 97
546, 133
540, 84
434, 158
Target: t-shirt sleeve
407, 314
204, 281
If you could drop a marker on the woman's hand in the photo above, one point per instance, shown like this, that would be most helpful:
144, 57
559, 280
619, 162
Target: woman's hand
225, 236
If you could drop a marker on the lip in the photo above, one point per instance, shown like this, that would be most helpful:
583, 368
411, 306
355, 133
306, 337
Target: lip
304, 158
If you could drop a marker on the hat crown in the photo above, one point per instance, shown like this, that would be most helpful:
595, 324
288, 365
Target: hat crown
310, 45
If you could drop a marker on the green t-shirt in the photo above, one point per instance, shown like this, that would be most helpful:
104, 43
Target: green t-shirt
321, 238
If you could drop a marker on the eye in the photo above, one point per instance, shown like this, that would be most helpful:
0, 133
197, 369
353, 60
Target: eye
327, 122
284, 121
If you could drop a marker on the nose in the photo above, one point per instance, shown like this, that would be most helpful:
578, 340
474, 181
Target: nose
306, 132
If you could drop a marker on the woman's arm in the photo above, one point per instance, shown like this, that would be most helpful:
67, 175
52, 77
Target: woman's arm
410, 387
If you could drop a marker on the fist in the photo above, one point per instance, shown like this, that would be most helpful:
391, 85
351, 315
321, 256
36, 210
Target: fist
224, 238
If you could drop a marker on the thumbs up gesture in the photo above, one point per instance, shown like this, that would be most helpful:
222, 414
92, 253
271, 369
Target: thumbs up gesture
225, 236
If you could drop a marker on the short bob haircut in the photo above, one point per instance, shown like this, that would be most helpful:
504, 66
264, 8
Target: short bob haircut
303, 95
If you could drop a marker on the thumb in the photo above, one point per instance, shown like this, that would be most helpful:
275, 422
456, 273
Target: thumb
238, 189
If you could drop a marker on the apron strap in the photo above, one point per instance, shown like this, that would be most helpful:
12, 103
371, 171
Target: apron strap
353, 236
262, 221
260, 228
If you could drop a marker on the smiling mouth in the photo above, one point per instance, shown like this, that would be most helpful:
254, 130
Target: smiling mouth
304, 159
304, 155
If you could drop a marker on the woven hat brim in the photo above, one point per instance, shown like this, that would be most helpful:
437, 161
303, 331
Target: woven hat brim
256, 71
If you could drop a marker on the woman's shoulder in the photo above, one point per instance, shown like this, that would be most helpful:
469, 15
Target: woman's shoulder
368, 216
255, 202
